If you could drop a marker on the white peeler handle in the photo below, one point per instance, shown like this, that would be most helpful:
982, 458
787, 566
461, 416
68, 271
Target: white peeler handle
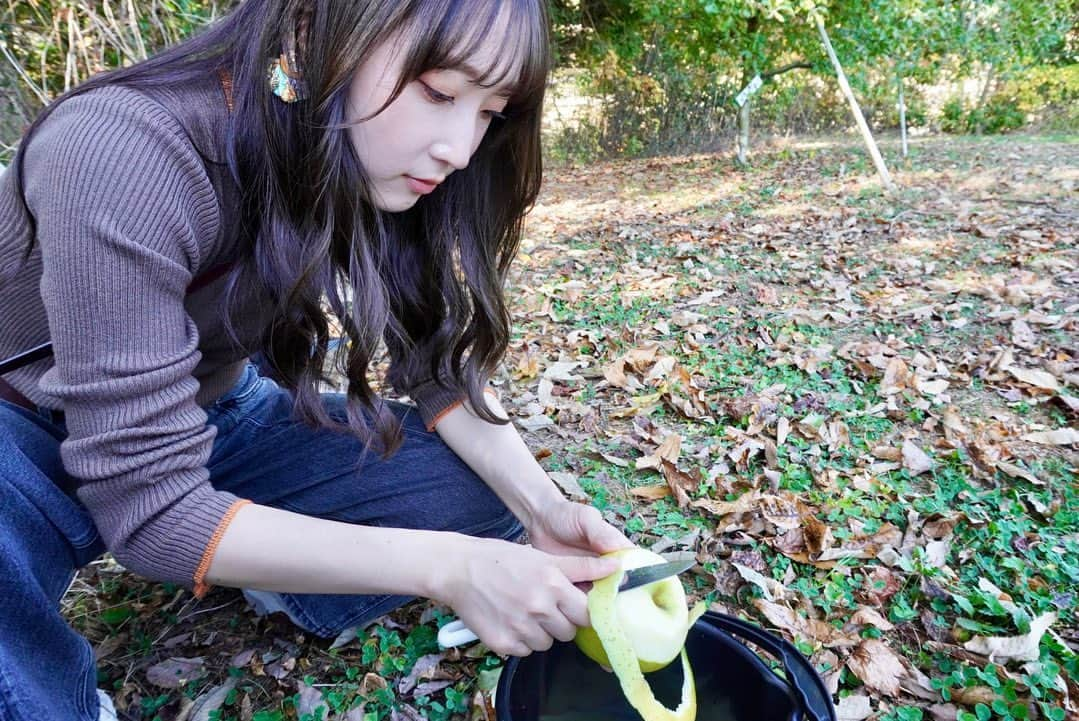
455, 633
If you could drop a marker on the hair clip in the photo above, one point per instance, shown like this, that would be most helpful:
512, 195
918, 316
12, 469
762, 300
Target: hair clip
285, 80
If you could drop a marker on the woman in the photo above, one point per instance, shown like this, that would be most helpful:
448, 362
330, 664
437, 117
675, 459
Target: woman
166, 221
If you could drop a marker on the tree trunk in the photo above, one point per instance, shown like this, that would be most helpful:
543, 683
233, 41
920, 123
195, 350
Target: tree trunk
979, 124
902, 116
748, 72
874, 151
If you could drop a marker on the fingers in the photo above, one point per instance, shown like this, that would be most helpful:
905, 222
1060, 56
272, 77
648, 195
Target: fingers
562, 628
600, 535
586, 568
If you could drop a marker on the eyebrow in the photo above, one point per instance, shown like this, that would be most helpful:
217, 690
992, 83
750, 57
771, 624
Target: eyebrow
475, 74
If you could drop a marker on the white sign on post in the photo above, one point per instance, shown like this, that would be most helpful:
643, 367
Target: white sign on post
749, 91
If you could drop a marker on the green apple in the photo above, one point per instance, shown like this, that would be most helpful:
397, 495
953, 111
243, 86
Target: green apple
654, 617
660, 635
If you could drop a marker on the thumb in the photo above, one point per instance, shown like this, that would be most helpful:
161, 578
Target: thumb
587, 568
606, 538
600, 535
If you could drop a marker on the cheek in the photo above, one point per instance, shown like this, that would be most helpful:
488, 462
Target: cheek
377, 144
482, 127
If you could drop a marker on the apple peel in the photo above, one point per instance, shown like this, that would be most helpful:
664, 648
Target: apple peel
624, 663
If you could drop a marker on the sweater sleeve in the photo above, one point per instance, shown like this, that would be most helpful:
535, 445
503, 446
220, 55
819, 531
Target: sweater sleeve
124, 212
433, 400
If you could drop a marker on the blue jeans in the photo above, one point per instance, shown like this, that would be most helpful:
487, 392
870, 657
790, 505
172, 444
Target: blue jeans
260, 453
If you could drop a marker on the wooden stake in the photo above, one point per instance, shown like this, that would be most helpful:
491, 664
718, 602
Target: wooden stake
743, 134
882, 170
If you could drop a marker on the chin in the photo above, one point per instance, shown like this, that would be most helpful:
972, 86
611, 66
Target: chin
393, 199
396, 205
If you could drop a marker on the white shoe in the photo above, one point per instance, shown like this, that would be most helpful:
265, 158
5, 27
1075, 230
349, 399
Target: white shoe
107, 710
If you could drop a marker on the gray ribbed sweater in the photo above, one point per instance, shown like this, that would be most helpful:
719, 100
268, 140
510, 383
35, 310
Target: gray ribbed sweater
133, 200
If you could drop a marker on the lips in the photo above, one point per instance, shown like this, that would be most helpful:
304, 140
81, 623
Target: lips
423, 186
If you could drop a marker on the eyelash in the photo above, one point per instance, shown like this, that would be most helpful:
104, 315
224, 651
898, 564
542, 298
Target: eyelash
436, 97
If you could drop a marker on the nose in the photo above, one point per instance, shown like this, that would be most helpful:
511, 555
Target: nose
457, 140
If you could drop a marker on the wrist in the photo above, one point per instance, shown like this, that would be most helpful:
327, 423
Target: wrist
449, 567
541, 506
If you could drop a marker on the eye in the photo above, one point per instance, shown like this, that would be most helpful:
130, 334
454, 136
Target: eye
433, 95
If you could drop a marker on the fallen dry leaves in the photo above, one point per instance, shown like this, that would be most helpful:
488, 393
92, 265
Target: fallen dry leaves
857, 412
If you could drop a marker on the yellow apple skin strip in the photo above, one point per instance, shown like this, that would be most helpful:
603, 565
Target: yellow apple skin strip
601, 609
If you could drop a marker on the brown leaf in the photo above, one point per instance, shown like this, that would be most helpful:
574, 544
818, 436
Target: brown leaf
1036, 378
311, 703
878, 666
952, 421
1020, 648
404, 712
282, 667
853, 708
482, 707
783, 429
175, 672
943, 712
1016, 471
1059, 437
671, 447
806, 628
744, 503
974, 695
668, 450
785, 511
425, 668
880, 585
640, 359
896, 377
817, 535
211, 700
680, 482
651, 493
527, 366
371, 683
569, 484
866, 616
915, 459
764, 294
615, 374
887, 453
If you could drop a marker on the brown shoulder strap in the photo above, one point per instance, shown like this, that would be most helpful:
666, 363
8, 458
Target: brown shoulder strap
226, 85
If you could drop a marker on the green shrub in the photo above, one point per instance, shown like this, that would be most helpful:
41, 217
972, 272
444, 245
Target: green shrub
953, 116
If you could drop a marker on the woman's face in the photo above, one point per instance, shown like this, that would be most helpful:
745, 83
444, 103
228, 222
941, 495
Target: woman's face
430, 130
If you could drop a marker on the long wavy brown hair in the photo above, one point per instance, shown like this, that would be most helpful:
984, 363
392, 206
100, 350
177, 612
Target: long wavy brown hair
425, 284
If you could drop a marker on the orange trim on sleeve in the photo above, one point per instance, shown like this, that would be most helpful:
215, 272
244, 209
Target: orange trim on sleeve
443, 414
440, 416
201, 587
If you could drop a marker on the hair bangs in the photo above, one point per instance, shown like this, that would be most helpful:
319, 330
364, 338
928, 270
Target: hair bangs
466, 31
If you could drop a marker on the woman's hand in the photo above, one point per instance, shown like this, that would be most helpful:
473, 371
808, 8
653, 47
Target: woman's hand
573, 529
516, 598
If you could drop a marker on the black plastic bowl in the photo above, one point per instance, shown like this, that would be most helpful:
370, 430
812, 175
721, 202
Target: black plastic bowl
733, 683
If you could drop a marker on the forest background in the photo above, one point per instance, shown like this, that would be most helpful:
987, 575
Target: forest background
638, 78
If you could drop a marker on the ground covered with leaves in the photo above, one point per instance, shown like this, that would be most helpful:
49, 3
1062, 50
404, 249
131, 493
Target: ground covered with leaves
857, 411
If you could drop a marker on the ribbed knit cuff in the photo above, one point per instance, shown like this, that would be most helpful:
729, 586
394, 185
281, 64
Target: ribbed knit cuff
172, 545
434, 401
201, 587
